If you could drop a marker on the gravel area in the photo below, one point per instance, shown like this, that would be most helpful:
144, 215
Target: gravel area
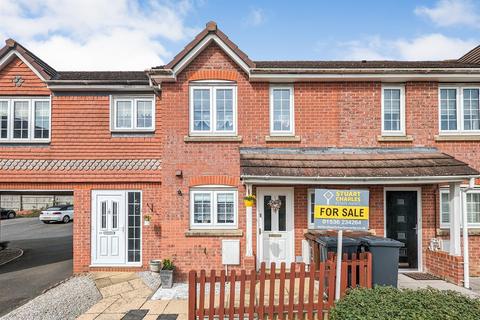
68, 300
151, 279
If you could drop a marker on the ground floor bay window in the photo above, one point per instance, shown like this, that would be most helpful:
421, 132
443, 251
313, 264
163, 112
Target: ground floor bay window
116, 228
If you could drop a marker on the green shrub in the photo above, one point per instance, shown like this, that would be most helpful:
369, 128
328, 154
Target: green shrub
390, 303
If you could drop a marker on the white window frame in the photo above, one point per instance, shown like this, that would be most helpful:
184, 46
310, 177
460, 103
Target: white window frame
460, 112
310, 192
31, 119
290, 132
402, 130
214, 224
133, 122
446, 225
213, 86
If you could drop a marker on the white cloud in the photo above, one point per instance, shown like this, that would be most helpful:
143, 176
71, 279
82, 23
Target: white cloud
451, 12
433, 47
427, 47
370, 48
96, 34
255, 17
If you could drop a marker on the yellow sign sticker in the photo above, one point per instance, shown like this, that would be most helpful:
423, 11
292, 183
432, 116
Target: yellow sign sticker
341, 212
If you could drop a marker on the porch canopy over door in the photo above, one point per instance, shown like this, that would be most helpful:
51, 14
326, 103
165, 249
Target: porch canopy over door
351, 166
358, 166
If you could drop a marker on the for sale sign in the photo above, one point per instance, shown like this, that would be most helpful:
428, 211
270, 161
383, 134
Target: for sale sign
341, 209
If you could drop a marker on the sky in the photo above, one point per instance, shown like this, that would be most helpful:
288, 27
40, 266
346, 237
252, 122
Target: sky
138, 34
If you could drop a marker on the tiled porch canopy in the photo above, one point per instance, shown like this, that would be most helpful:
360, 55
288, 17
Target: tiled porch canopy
351, 166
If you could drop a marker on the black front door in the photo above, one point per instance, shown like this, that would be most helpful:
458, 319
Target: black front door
401, 218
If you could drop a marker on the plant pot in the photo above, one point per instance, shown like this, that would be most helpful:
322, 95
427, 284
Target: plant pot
155, 265
146, 223
166, 276
248, 203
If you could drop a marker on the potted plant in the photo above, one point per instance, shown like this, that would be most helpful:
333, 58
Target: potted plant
146, 220
249, 201
166, 274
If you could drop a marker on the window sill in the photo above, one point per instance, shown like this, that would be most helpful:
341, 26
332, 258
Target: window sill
214, 233
132, 134
458, 137
24, 142
446, 232
212, 138
282, 138
406, 138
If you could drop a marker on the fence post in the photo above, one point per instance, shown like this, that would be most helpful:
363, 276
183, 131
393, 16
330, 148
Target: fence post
192, 294
369, 269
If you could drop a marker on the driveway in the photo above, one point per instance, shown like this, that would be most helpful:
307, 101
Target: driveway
47, 259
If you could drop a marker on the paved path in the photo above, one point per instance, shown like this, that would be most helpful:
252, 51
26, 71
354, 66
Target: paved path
47, 259
407, 282
124, 292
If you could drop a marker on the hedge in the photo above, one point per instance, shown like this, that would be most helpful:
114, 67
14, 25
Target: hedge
390, 303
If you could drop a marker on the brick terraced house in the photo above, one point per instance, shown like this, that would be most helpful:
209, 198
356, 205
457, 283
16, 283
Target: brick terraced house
183, 143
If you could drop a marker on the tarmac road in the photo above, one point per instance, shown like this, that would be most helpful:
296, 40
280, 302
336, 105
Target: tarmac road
47, 259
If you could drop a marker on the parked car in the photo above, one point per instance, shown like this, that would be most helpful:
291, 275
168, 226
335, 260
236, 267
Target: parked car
7, 214
57, 213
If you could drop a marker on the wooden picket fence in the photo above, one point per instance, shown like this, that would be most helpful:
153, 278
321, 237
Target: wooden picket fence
275, 293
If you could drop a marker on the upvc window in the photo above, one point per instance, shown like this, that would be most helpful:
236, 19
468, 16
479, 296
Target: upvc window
459, 110
281, 110
471, 203
213, 208
130, 114
393, 110
213, 109
25, 120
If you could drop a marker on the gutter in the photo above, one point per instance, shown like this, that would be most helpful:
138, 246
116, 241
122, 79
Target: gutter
99, 87
354, 180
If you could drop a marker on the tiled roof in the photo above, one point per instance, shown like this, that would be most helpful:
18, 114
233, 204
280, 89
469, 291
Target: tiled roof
82, 165
365, 64
351, 162
210, 28
38, 64
103, 76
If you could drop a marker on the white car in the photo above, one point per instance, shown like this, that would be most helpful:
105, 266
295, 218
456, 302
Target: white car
57, 213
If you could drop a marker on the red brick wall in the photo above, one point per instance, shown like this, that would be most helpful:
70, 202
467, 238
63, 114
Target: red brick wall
445, 266
332, 114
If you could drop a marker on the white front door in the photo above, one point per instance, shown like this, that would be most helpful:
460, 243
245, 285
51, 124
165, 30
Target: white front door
108, 227
275, 228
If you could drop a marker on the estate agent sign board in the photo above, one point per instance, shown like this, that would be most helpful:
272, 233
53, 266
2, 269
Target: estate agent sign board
341, 209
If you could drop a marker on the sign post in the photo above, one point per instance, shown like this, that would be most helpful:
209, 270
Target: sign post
341, 210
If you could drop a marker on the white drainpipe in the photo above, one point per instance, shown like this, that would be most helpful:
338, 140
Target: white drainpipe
466, 262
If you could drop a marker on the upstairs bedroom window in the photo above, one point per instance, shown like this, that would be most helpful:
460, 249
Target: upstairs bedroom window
25, 120
213, 108
459, 110
133, 113
281, 110
393, 111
